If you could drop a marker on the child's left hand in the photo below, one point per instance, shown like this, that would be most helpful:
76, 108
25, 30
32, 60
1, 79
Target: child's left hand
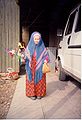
45, 61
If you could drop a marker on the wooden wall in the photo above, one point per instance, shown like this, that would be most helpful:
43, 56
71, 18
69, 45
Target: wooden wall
25, 35
9, 33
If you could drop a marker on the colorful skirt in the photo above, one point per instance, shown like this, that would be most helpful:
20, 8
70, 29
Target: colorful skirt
33, 89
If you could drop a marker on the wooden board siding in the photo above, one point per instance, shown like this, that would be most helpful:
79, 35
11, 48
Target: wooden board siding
9, 33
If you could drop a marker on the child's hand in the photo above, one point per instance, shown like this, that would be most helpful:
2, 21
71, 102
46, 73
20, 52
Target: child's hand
27, 54
45, 61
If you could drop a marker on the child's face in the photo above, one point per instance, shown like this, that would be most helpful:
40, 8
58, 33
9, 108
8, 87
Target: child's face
36, 39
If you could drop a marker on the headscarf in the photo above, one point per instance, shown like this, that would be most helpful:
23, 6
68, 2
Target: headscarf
41, 55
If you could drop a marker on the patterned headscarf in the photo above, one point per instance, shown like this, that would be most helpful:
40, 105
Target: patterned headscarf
41, 55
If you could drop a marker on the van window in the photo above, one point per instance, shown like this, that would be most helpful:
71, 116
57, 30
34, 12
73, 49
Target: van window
70, 24
78, 26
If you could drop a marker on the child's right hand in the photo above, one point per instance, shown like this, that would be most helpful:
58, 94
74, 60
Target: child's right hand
27, 55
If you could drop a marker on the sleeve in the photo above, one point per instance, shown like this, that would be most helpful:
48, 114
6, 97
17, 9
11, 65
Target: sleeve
46, 57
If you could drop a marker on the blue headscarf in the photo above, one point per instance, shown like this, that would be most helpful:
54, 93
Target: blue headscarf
41, 54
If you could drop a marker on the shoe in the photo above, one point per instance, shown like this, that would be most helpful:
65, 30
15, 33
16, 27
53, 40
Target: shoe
39, 97
33, 98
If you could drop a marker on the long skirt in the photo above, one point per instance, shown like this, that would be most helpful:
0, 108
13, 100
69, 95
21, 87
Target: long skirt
33, 89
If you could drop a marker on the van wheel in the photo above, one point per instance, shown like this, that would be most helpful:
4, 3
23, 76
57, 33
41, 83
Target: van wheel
62, 75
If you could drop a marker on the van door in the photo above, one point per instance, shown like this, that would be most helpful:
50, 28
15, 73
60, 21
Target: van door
72, 44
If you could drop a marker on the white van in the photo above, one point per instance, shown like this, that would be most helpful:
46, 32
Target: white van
70, 46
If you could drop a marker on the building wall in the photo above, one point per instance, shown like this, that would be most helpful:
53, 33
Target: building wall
52, 56
53, 47
25, 35
9, 33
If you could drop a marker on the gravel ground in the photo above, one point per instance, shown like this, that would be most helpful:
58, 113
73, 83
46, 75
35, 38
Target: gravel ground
7, 89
